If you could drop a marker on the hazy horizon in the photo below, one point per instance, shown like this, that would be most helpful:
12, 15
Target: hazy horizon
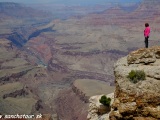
72, 2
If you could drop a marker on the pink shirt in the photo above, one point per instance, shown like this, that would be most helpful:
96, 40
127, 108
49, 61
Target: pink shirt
147, 32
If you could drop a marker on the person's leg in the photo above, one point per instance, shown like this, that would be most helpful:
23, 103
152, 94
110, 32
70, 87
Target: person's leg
146, 42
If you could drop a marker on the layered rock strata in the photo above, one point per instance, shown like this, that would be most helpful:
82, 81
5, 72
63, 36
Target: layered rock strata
139, 100
85, 88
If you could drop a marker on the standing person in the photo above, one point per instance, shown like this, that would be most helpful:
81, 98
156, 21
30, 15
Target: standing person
146, 34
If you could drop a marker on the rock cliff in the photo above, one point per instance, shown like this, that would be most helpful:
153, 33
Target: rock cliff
141, 100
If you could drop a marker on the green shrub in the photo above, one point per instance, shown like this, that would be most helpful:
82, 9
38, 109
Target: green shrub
105, 101
136, 75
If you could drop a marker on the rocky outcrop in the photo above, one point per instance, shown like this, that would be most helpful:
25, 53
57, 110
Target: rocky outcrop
145, 56
97, 111
133, 101
139, 100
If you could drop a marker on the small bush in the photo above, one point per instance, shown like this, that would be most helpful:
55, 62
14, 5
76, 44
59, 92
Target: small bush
136, 75
105, 101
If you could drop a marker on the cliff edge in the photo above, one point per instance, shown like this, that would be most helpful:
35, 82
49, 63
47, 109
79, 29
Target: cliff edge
139, 100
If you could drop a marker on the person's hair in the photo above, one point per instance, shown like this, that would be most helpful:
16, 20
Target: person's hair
146, 24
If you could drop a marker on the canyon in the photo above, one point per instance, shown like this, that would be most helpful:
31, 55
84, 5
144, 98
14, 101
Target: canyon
47, 62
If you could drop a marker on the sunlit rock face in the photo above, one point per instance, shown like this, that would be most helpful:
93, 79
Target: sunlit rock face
139, 100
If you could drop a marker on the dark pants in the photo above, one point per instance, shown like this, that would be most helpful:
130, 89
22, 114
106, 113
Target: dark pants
146, 41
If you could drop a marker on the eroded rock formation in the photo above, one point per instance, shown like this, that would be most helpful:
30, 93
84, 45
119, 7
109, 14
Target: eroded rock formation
133, 101
139, 100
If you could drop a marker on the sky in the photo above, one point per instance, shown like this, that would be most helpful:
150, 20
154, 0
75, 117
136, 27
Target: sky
72, 2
